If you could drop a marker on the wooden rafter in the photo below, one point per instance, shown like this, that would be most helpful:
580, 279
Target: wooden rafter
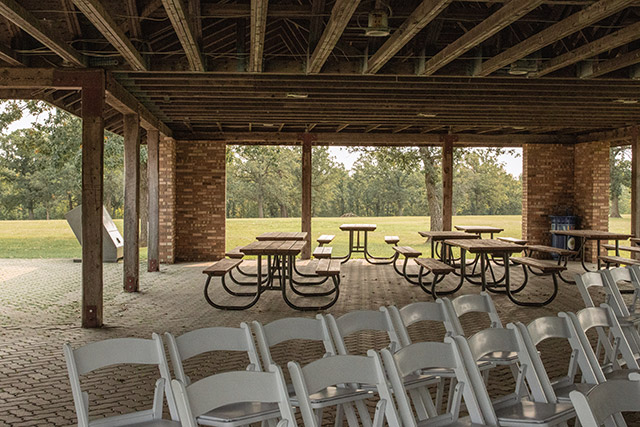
588, 50
178, 17
72, 19
555, 32
24, 19
10, 56
606, 67
134, 22
102, 20
342, 127
317, 8
370, 128
507, 14
340, 15
421, 16
258, 30
401, 128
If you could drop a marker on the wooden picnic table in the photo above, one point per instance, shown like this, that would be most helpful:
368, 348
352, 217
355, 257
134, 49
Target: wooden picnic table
597, 235
283, 235
479, 229
439, 236
358, 245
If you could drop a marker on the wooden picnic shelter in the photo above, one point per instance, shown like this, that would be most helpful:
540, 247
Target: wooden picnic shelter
559, 78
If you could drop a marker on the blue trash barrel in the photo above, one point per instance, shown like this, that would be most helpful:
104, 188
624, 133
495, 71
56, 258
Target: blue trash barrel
563, 222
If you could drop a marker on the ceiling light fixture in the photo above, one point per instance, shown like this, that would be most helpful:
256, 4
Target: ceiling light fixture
295, 95
626, 101
428, 115
378, 24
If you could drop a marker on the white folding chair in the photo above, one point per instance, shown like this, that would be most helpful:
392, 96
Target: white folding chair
300, 328
541, 408
120, 351
600, 404
218, 393
333, 371
630, 322
225, 339
617, 352
360, 321
401, 365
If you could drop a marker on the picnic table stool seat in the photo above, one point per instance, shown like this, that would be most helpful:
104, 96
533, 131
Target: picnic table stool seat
513, 240
235, 253
222, 267
391, 240
328, 267
551, 250
325, 239
434, 266
544, 266
407, 251
617, 260
322, 252
635, 249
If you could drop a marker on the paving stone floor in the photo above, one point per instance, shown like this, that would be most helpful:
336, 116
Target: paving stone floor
39, 311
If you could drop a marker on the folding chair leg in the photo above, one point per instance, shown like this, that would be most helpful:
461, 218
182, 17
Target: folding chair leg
363, 412
439, 394
418, 403
339, 416
352, 419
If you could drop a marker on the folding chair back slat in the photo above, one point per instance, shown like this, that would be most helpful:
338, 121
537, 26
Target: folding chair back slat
358, 321
413, 313
116, 351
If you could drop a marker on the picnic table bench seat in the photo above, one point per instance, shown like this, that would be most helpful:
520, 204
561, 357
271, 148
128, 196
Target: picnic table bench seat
235, 253
322, 252
513, 240
434, 266
551, 250
328, 267
545, 268
222, 267
407, 251
635, 249
542, 265
618, 260
391, 240
325, 239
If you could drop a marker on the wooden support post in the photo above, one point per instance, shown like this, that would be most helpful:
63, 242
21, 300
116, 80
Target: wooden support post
131, 201
93, 96
635, 182
447, 181
153, 183
307, 140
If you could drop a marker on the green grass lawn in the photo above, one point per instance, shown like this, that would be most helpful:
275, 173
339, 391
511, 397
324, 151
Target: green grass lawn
54, 239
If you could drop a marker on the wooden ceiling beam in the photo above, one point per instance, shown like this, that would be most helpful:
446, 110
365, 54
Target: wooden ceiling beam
258, 32
102, 20
611, 41
421, 16
617, 63
10, 56
401, 128
134, 22
506, 15
555, 32
24, 19
178, 16
72, 19
341, 14
342, 127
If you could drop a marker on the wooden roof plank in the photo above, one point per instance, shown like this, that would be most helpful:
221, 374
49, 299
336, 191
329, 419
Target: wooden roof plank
555, 32
178, 16
506, 15
606, 67
24, 19
102, 20
10, 56
421, 16
341, 14
134, 22
613, 40
258, 32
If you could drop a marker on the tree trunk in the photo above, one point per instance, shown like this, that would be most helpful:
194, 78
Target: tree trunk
283, 211
260, 207
144, 207
47, 211
615, 206
70, 200
31, 214
434, 197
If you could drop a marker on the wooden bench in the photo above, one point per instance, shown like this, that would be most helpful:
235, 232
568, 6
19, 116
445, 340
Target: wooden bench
328, 267
407, 251
634, 249
235, 253
322, 252
513, 240
545, 267
551, 250
618, 260
325, 239
438, 269
222, 267
434, 266
391, 240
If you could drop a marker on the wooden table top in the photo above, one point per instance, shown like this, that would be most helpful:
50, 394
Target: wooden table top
283, 235
478, 229
592, 234
445, 235
485, 245
358, 227
274, 247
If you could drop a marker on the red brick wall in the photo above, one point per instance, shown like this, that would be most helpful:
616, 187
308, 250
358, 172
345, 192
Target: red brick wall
167, 201
200, 201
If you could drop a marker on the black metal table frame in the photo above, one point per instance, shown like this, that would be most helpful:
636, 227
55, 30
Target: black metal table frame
363, 249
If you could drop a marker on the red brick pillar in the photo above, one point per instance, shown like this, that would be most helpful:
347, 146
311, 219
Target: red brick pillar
200, 213
547, 188
167, 200
591, 181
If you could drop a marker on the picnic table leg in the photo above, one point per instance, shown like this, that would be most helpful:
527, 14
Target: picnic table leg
598, 252
583, 254
534, 303
374, 259
288, 272
563, 260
